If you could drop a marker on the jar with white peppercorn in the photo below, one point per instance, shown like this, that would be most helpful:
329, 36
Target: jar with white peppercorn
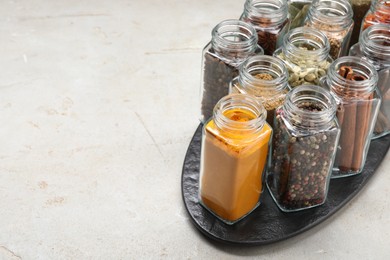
335, 19
232, 42
305, 52
266, 78
306, 134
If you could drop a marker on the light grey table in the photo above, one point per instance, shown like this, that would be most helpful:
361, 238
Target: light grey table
98, 102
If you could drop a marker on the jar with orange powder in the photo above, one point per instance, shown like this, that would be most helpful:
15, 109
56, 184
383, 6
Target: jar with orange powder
235, 144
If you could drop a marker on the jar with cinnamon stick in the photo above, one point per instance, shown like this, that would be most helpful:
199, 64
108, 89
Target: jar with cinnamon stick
379, 13
306, 133
374, 45
271, 20
232, 41
233, 157
353, 81
335, 19
266, 78
305, 52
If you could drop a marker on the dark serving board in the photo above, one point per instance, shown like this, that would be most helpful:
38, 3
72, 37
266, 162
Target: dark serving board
267, 224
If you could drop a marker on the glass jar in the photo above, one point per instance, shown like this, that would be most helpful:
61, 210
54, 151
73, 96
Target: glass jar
304, 144
266, 78
234, 152
353, 82
270, 19
305, 51
360, 9
298, 11
335, 19
378, 13
374, 46
232, 41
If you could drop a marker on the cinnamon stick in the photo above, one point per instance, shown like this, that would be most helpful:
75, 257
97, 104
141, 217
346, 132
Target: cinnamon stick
363, 122
347, 137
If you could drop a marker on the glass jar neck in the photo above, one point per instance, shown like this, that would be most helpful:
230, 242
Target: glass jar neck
335, 15
239, 103
382, 11
265, 73
266, 12
375, 45
309, 107
234, 40
306, 45
351, 77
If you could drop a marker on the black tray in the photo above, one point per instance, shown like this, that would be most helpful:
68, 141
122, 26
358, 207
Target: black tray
267, 224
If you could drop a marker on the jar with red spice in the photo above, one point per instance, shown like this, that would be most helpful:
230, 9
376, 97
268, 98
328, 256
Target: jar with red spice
271, 20
353, 82
335, 19
378, 13
374, 45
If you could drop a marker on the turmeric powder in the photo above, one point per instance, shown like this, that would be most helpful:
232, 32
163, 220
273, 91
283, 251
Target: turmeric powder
233, 161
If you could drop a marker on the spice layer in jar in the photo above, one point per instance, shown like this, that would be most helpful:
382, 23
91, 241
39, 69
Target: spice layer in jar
379, 13
264, 77
335, 19
231, 43
304, 144
271, 20
353, 81
234, 152
374, 46
305, 52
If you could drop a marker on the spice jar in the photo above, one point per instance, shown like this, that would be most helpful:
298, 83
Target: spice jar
264, 77
360, 9
335, 19
304, 144
374, 46
353, 82
232, 41
305, 51
234, 151
378, 13
270, 19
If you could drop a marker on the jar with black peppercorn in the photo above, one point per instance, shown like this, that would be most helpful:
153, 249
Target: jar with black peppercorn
305, 51
335, 19
374, 45
232, 41
266, 78
306, 133
271, 20
353, 83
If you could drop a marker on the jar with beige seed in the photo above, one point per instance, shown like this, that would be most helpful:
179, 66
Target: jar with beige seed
266, 78
305, 52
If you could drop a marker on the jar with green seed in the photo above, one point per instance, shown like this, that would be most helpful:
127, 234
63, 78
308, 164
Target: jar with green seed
305, 52
264, 77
